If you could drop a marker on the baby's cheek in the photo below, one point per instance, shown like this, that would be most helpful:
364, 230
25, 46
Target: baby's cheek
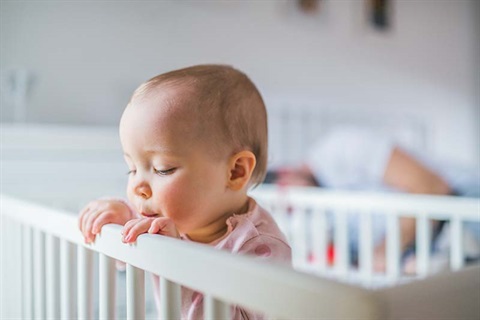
174, 201
130, 195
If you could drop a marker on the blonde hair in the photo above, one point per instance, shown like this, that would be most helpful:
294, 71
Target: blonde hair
229, 107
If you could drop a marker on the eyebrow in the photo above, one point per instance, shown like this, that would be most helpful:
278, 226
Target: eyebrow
150, 151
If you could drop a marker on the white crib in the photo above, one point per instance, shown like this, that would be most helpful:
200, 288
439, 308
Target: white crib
301, 213
47, 270
48, 287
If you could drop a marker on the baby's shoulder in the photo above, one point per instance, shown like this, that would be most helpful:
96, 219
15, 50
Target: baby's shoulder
257, 233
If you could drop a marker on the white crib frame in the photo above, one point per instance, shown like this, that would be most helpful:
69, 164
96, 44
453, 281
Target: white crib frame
281, 200
50, 247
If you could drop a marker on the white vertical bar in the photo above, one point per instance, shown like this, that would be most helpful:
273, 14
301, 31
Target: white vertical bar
170, 297
279, 215
423, 245
22, 269
319, 238
456, 259
28, 272
68, 285
299, 239
85, 283
39, 275
341, 242
53, 287
285, 217
393, 247
19, 269
365, 254
10, 269
135, 293
215, 309
107, 287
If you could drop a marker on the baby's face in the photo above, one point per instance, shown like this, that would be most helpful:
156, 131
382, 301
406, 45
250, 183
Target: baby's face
171, 173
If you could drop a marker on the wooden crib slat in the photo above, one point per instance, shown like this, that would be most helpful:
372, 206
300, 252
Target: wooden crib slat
68, 266
423, 239
39, 275
170, 297
319, 238
85, 283
341, 242
107, 286
135, 287
456, 248
365, 253
27, 272
393, 247
215, 309
53, 287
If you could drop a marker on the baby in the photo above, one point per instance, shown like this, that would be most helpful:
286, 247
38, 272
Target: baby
195, 140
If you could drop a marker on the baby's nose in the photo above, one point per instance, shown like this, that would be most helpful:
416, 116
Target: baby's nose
143, 190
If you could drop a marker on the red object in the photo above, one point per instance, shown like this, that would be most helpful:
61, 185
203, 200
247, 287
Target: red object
330, 255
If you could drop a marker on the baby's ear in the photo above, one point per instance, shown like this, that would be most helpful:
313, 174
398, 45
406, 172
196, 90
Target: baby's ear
241, 166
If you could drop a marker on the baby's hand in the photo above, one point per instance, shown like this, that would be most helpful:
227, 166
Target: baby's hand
136, 227
100, 212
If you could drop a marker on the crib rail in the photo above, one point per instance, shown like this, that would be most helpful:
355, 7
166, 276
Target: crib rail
301, 213
51, 264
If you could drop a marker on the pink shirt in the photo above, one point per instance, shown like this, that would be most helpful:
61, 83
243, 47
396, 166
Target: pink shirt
253, 233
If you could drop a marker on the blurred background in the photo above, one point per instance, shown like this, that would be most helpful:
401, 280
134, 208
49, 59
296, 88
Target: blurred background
68, 69
77, 62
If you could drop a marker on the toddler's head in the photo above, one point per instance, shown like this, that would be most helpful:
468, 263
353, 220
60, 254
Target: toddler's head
195, 139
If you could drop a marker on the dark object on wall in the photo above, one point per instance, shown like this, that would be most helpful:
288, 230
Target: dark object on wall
379, 13
309, 6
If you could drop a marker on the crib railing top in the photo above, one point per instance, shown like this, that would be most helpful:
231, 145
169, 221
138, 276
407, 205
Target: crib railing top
272, 289
431, 206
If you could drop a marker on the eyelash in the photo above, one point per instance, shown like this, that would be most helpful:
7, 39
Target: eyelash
159, 172
164, 172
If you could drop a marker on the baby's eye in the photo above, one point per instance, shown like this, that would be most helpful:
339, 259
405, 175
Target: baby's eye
164, 172
131, 172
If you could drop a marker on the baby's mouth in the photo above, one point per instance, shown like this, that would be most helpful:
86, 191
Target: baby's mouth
149, 215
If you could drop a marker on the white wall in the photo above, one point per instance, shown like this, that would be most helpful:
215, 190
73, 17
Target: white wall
87, 57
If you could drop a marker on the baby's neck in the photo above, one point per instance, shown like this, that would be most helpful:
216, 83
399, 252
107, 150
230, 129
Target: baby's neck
217, 228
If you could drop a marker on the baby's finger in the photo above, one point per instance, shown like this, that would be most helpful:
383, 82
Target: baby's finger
157, 225
164, 226
90, 220
101, 220
82, 215
89, 209
140, 227
128, 226
88, 223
